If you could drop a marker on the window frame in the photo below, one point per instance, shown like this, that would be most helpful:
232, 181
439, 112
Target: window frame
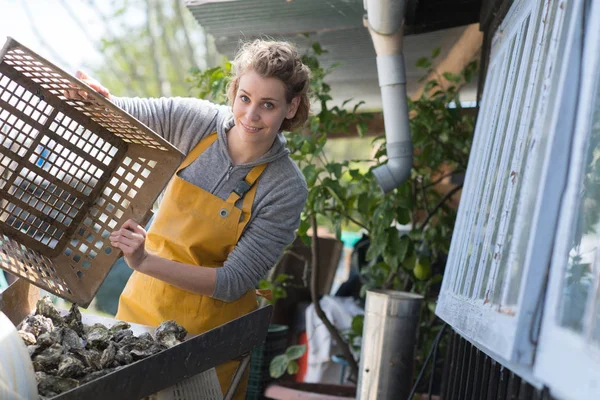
508, 334
558, 345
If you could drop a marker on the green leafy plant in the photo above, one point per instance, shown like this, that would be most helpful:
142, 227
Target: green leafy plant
286, 362
277, 286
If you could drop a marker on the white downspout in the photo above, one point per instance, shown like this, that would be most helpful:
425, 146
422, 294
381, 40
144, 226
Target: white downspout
385, 21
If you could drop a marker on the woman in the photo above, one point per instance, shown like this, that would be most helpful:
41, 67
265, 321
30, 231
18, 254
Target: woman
232, 206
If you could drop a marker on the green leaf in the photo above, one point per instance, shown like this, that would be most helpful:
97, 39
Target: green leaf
335, 169
423, 62
451, 77
295, 352
435, 52
278, 366
293, 368
310, 174
358, 323
316, 46
403, 247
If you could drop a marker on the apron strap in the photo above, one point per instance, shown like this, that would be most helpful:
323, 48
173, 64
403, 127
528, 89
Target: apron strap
199, 149
245, 184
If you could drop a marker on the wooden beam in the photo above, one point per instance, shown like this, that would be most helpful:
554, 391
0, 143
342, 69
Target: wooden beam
463, 52
376, 125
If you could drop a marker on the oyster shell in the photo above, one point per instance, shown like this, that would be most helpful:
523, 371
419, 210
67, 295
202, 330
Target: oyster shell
170, 333
70, 339
50, 385
28, 338
73, 319
66, 353
33, 350
120, 335
70, 367
90, 357
123, 357
36, 324
146, 336
47, 339
108, 355
142, 348
45, 307
98, 336
48, 359
119, 326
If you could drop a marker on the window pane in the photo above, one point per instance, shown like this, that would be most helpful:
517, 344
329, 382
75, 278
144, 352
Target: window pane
583, 259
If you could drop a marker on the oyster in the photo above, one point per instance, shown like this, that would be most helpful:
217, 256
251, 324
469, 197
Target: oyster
36, 325
66, 353
170, 333
70, 339
123, 357
45, 307
119, 326
122, 334
98, 336
48, 359
50, 385
73, 319
146, 336
47, 339
108, 355
90, 357
28, 338
70, 367
142, 348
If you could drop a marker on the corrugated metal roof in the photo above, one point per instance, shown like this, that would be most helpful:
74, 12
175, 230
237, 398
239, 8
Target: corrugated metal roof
336, 24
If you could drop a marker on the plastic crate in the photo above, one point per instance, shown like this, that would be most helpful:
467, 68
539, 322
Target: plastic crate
71, 171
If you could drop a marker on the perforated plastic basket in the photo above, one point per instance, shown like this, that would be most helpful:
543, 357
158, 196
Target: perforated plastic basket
71, 171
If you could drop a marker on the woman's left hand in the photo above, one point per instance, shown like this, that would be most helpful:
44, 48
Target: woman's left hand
131, 239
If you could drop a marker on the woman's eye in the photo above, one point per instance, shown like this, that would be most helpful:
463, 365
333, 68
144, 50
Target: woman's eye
269, 106
244, 98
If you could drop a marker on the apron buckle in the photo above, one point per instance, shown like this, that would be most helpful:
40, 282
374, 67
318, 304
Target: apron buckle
224, 213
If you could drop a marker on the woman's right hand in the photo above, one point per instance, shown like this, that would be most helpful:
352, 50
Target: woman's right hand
91, 82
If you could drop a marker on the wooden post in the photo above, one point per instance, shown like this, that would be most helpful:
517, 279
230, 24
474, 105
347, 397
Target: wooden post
18, 300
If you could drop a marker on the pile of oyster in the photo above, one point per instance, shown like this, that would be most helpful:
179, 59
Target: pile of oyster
67, 353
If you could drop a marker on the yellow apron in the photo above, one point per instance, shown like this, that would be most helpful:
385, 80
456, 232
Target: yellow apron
192, 226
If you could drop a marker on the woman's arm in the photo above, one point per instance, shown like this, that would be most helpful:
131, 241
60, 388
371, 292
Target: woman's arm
183, 122
131, 238
192, 278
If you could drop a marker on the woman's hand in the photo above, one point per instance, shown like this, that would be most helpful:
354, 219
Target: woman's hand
94, 84
131, 239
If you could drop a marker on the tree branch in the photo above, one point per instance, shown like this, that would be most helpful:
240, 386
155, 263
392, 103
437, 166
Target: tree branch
439, 205
345, 215
191, 54
164, 88
122, 51
166, 41
441, 178
83, 29
314, 291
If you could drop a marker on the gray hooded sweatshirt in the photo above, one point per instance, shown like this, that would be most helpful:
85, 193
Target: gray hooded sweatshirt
280, 195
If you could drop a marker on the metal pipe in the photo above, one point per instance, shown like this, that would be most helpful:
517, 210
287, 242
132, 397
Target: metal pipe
388, 345
385, 21
237, 377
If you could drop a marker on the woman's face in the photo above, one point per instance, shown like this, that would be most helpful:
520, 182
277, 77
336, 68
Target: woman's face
259, 109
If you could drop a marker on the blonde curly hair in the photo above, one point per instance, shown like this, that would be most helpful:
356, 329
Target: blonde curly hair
274, 59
